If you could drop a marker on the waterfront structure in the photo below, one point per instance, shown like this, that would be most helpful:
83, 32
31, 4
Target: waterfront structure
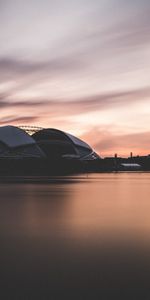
56, 143
129, 167
34, 151
16, 143
43, 152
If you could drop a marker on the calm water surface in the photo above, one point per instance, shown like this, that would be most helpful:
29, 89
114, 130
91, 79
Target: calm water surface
85, 237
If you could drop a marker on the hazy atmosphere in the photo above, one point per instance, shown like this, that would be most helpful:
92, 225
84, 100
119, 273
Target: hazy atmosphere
81, 66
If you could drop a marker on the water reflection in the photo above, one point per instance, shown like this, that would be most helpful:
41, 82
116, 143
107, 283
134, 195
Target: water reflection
81, 238
28, 209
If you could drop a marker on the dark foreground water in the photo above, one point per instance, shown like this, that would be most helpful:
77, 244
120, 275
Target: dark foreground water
76, 238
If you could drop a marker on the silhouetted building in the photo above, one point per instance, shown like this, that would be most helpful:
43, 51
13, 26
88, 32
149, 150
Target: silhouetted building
129, 167
45, 152
56, 143
16, 143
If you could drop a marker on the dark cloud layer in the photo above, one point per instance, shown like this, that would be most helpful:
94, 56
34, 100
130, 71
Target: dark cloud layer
10, 66
15, 119
84, 48
61, 52
83, 104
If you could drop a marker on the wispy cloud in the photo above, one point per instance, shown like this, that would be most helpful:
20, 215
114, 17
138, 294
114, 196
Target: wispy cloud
69, 63
22, 67
81, 105
107, 142
15, 119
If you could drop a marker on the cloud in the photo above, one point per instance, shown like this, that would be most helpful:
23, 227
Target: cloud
15, 119
132, 32
10, 66
106, 142
127, 24
93, 46
5, 102
81, 105
87, 50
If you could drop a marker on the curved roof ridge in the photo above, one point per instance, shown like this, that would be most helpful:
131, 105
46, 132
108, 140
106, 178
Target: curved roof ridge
13, 136
76, 141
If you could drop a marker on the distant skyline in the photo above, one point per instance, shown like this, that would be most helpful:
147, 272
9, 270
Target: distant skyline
82, 66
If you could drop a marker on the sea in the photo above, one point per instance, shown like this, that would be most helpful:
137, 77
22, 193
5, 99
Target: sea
78, 237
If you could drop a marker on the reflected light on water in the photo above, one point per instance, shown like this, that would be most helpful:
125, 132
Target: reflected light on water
60, 231
100, 205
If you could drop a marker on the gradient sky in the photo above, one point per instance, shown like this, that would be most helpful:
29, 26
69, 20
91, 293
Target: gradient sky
82, 66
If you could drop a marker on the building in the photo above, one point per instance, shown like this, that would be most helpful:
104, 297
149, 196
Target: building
43, 152
55, 143
16, 143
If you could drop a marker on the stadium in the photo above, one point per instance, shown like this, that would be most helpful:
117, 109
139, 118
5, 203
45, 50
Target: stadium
36, 151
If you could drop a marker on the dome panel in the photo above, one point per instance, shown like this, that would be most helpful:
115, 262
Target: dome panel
15, 137
77, 141
54, 141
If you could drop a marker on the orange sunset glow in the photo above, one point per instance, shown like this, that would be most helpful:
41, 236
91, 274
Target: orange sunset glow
81, 66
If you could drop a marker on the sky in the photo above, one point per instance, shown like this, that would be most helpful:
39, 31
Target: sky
82, 66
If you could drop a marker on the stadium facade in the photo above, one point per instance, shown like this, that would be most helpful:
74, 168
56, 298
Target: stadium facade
37, 151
